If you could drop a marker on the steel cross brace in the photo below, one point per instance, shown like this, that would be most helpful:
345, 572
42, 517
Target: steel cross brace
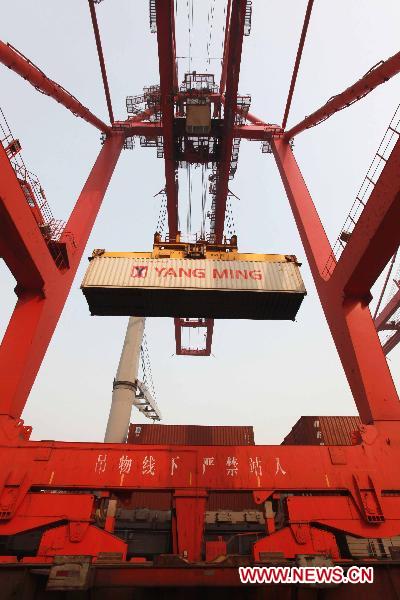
17, 62
42, 288
383, 322
378, 74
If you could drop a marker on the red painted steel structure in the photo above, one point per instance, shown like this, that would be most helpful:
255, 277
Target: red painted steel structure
233, 58
14, 60
383, 322
377, 75
42, 288
168, 79
327, 492
297, 62
100, 54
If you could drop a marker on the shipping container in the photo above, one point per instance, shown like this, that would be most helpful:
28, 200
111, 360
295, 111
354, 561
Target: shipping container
230, 289
190, 435
324, 431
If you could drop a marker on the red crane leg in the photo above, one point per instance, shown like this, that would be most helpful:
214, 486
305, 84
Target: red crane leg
16, 350
376, 235
167, 66
37, 312
17, 62
350, 321
377, 75
84, 214
234, 53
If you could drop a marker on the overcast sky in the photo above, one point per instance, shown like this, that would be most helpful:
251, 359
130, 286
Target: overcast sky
264, 374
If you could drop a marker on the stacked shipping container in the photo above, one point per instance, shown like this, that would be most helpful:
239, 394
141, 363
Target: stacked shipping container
191, 435
324, 431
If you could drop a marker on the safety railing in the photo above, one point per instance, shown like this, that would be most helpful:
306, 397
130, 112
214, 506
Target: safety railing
381, 157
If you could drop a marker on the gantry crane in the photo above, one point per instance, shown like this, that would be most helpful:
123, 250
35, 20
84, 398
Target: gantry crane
69, 511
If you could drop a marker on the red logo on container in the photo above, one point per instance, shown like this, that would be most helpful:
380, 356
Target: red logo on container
139, 271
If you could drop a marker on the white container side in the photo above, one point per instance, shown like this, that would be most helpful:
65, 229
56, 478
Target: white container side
127, 272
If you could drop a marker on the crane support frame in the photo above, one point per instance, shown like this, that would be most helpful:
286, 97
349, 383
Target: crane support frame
347, 314
17, 62
325, 493
233, 58
378, 74
168, 85
42, 288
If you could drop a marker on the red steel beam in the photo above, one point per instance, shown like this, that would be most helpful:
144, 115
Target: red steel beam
175, 65
385, 284
377, 75
17, 62
96, 466
255, 120
96, 31
167, 67
297, 62
388, 311
257, 132
236, 32
37, 311
376, 235
391, 343
224, 66
143, 128
349, 319
260, 125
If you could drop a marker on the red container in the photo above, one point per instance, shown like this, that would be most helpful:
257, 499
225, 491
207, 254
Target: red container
190, 435
323, 431
235, 501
